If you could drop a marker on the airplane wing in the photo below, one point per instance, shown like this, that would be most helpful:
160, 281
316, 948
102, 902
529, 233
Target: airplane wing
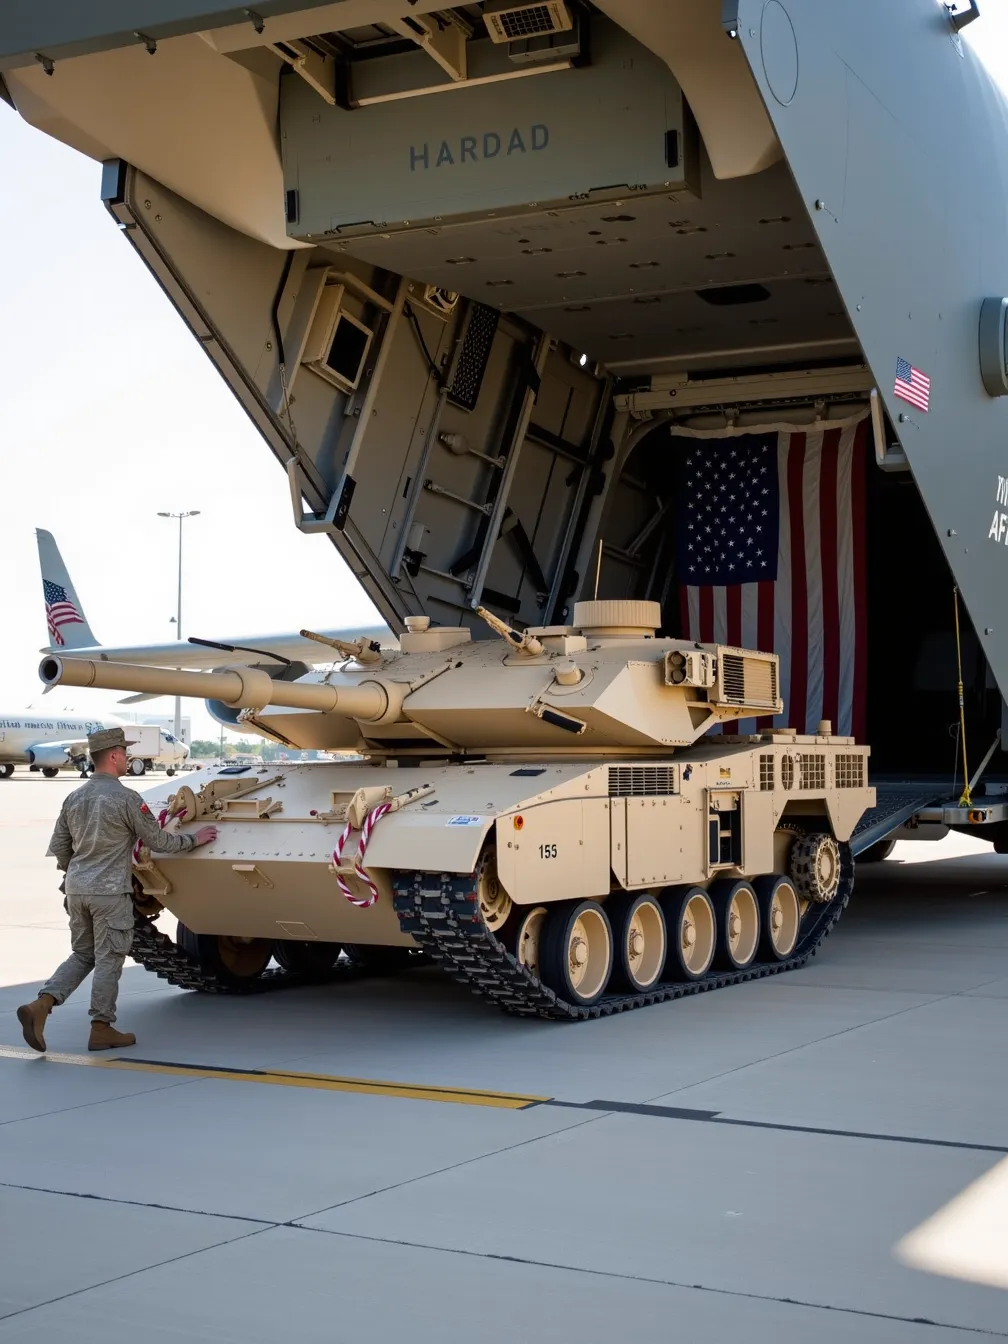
239, 650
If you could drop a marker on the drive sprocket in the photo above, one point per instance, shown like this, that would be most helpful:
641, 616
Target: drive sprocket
815, 867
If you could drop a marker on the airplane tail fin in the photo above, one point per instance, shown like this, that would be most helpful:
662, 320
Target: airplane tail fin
65, 620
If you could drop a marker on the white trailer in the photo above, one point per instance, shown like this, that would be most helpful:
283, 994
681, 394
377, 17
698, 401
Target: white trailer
149, 747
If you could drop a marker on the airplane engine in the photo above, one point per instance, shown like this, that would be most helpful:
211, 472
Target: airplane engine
49, 755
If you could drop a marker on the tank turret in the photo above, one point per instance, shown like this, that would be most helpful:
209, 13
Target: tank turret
603, 684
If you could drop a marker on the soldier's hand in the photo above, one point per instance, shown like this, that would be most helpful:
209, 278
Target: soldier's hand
205, 835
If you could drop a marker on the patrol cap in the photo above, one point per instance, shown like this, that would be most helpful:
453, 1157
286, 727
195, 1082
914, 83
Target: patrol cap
105, 738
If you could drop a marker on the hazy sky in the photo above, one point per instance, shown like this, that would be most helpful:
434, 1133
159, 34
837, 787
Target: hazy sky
110, 411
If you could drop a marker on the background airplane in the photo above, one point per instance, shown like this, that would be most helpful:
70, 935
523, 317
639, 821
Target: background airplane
69, 631
52, 742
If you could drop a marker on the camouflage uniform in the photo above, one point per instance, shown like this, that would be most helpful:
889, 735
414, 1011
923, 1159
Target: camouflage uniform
98, 826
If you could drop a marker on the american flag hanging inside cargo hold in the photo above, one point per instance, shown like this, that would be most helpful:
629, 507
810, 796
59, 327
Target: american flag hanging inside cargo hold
770, 555
60, 610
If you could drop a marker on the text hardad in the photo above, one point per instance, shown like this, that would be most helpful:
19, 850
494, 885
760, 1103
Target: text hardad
473, 148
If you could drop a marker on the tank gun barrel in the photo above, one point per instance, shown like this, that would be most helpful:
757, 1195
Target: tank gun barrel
239, 688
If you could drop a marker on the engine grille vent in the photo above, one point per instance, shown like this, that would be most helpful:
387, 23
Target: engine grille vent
732, 678
512, 22
474, 357
812, 770
748, 681
766, 773
640, 781
850, 772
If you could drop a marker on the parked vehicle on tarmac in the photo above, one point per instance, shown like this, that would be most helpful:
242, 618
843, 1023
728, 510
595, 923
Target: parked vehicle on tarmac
547, 814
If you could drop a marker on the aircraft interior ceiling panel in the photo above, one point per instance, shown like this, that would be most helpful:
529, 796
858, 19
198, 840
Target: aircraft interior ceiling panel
630, 335
619, 279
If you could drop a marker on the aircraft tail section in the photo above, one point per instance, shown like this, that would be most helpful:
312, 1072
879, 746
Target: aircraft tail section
66, 623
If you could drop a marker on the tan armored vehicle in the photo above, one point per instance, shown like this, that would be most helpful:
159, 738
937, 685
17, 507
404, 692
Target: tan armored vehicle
548, 815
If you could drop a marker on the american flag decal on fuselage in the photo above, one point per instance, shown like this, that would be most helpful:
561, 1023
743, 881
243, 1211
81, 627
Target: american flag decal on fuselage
60, 610
912, 385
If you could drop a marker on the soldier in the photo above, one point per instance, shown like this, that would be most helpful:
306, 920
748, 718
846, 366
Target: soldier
98, 826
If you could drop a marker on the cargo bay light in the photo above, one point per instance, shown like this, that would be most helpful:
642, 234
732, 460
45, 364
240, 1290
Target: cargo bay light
739, 237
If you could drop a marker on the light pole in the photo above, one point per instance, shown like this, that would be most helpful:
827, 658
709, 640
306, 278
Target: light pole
192, 513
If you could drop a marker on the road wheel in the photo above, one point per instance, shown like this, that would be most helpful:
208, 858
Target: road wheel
738, 923
877, 853
6, 771
310, 959
494, 902
234, 961
780, 917
528, 941
576, 955
170, 770
640, 940
381, 960
137, 767
50, 771
692, 932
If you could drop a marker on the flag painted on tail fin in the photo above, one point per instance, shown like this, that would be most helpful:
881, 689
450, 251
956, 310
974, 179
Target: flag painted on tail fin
771, 555
912, 385
60, 610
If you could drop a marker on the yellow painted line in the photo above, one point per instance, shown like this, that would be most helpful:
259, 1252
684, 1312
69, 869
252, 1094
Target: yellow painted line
321, 1082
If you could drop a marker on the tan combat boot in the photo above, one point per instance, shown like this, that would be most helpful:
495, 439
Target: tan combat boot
32, 1017
105, 1037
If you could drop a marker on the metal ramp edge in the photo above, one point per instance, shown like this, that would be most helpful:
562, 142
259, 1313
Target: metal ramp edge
893, 809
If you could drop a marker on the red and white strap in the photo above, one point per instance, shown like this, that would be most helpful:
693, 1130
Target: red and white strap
162, 822
370, 822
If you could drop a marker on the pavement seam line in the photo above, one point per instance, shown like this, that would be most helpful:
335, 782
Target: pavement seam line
99, 1101
132, 1273
647, 1110
452, 1166
796, 1049
662, 1283
138, 1203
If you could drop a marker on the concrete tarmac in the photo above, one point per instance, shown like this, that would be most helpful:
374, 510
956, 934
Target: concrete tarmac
822, 1155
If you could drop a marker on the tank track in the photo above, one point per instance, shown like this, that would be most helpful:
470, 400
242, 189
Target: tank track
159, 954
162, 956
441, 913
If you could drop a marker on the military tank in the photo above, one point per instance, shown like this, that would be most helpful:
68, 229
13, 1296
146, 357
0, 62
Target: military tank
572, 820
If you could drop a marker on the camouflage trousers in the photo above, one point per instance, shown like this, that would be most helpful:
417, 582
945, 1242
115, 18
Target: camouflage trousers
101, 933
